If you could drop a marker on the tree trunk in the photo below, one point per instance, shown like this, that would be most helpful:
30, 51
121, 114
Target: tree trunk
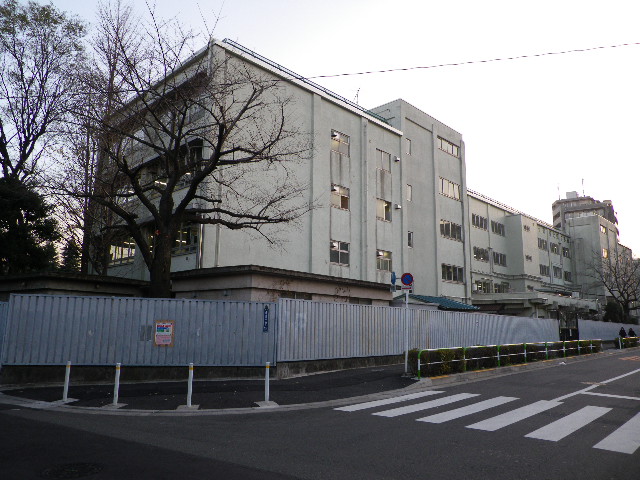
160, 271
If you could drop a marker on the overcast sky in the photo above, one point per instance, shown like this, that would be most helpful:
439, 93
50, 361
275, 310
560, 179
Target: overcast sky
534, 128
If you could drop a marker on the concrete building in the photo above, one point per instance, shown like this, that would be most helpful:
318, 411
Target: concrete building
381, 180
575, 206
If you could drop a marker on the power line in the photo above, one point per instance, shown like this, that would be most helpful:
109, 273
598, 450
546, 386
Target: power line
470, 62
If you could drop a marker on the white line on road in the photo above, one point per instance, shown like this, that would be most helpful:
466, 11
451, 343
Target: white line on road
387, 401
469, 410
611, 396
426, 405
496, 423
625, 439
584, 390
567, 425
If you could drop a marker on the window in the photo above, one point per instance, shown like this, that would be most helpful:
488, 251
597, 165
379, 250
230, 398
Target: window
449, 189
383, 161
383, 260
567, 277
499, 259
195, 112
339, 252
410, 239
603, 229
339, 197
481, 254
478, 221
408, 145
186, 240
451, 273
566, 252
450, 230
122, 251
497, 228
502, 287
482, 286
557, 272
409, 193
340, 143
605, 253
542, 244
383, 210
544, 270
555, 248
447, 146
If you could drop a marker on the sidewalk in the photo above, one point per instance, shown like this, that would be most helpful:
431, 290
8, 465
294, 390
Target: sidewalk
229, 393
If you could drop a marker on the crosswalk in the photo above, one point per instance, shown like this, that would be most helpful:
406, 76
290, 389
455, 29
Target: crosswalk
625, 439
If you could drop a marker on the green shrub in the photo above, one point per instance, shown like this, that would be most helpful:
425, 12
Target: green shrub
554, 349
481, 357
536, 352
511, 354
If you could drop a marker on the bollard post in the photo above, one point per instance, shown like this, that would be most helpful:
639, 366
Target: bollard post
266, 382
190, 385
546, 350
620, 343
116, 386
67, 376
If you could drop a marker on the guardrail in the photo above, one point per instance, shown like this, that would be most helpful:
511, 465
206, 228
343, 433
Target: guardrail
478, 357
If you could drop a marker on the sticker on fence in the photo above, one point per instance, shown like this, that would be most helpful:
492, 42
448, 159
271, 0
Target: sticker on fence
164, 333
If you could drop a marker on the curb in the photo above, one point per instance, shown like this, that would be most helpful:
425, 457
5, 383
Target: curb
420, 385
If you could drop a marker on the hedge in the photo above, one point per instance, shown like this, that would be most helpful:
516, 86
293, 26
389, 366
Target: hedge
445, 361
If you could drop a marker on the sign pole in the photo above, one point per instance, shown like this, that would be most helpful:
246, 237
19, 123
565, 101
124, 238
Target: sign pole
406, 332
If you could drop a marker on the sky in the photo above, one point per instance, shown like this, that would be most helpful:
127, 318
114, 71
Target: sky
534, 128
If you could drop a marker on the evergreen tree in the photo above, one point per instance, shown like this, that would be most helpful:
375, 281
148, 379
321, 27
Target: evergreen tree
27, 231
71, 256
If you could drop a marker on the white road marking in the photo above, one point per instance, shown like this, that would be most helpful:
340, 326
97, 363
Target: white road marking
584, 390
625, 439
611, 396
496, 423
567, 425
469, 410
387, 401
426, 405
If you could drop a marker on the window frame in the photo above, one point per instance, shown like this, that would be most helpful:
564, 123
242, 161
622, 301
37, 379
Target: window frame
383, 207
340, 193
384, 260
339, 137
343, 249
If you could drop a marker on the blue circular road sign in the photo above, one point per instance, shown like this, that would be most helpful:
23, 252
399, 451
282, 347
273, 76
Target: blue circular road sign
406, 279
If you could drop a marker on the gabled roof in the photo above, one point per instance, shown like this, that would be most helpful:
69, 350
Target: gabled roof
443, 303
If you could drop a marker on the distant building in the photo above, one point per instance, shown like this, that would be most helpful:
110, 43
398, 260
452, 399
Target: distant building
575, 206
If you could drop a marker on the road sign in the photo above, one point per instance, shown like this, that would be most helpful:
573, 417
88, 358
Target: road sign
407, 279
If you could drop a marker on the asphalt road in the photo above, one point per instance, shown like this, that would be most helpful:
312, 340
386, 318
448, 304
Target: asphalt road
575, 421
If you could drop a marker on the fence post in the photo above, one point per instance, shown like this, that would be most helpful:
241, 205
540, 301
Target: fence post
620, 343
564, 350
116, 386
498, 354
546, 350
266, 382
67, 375
525, 352
464, 359
190, 385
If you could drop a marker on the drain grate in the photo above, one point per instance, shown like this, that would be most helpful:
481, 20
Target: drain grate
71, 470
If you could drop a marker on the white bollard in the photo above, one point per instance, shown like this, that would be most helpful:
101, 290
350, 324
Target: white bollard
266, 382
190, 385
116, 387
67, 375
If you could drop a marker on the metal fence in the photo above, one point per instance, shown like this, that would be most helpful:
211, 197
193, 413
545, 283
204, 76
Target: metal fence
51, 330
4, 312
313, 330
590, 329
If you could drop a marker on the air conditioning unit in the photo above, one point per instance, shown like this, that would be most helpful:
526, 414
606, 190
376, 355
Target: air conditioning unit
397, 159
398, 207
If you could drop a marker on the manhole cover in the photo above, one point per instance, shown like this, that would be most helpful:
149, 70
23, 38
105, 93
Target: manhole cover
71, 470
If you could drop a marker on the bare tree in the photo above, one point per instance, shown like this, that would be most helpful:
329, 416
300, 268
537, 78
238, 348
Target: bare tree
619, 273
188, 138
40, 49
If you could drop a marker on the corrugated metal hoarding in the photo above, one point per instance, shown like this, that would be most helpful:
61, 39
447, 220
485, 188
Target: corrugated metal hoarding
312, 330
4, 312
51, 330
590, 329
